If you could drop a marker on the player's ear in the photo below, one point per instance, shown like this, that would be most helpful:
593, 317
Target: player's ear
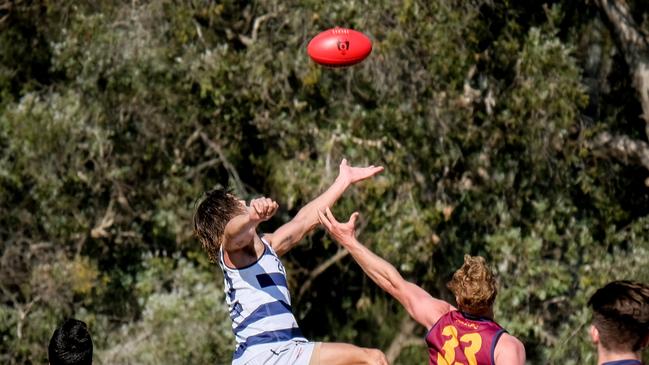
594, 334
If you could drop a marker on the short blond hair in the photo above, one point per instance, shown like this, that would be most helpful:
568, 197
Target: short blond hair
474, 286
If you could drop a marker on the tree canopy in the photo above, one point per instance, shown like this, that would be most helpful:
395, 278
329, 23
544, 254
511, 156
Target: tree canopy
515, 130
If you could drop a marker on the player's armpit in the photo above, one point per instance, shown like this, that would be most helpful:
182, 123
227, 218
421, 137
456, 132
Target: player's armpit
509, 351
422, 307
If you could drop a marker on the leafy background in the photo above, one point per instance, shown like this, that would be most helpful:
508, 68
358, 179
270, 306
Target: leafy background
116, 116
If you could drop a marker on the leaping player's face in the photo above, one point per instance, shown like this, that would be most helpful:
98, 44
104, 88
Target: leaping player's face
242, 203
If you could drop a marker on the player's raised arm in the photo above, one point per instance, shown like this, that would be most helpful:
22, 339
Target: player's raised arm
421, 306
288, 235
241, 228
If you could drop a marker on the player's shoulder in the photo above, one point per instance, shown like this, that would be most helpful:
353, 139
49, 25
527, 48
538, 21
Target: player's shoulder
509, 350
511, 342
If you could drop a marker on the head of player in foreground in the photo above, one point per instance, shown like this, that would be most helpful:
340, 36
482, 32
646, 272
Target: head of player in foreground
70, 344
467, 334
620, 326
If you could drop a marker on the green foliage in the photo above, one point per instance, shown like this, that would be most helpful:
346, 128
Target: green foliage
184, 318
115, 118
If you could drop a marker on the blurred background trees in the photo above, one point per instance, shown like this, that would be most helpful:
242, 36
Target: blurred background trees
514, 130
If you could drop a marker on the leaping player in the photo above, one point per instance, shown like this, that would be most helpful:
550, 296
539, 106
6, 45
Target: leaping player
466, 335
256, 289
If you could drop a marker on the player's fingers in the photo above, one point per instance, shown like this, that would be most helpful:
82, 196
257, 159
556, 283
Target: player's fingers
331, 217
343, 162
272, 207
323, 219
264, 206
327, 219
353, 218
273, 210
255, 206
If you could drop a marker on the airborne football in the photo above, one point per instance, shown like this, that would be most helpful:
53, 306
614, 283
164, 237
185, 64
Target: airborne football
339, 47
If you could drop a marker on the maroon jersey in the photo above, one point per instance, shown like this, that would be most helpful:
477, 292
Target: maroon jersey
459, 338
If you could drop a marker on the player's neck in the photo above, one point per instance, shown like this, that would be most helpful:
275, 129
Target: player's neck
486, 315
246, 255
608, 356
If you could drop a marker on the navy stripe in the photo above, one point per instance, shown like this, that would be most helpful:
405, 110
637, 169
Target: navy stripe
267, 337
231, 290
275, 279
493, 344
236, 310
623, 362
263, 311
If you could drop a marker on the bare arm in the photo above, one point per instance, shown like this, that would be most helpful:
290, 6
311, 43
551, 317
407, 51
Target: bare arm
241, 229
288, 235
420, 305
509, 351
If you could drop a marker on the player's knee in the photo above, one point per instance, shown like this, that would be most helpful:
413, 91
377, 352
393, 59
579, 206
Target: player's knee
376, 357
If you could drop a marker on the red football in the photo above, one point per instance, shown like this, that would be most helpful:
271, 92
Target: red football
339, 47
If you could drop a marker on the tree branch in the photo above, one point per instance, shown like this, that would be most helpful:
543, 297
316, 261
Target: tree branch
6, 7
635, 47
623, 148
248, 41
319, 270
226, 163
342, 253
106, 222
126, 347
403, 339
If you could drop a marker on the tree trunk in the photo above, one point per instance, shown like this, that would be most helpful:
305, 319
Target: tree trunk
635, 47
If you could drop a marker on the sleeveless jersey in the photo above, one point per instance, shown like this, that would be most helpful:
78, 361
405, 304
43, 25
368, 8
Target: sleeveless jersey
459, 338
260, 305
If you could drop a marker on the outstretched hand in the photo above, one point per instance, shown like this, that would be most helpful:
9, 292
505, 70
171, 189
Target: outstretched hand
355, 174
262, 209
344, 233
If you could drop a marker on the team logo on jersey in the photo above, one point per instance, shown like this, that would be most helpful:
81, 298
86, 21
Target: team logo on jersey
280, 267
467, 324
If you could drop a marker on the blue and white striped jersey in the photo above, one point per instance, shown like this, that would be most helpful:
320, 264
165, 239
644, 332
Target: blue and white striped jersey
260, 305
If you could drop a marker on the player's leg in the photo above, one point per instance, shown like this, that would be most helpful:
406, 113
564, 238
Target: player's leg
334, 353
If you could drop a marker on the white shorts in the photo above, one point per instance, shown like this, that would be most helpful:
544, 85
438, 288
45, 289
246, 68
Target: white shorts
293, 352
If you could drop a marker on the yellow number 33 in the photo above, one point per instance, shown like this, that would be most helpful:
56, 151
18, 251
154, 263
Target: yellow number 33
473, 341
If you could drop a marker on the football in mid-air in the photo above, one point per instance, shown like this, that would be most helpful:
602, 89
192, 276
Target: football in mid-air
339, 47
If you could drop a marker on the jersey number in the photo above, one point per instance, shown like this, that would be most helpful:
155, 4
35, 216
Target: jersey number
471, 343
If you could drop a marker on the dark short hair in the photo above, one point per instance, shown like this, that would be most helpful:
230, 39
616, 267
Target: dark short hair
214, 212
621, 315
70, 344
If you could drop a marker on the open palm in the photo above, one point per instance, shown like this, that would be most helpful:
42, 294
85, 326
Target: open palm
355, 174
